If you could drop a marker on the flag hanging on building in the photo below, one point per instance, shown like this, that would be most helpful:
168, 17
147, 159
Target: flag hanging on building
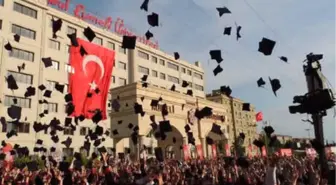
259, 116
89, 84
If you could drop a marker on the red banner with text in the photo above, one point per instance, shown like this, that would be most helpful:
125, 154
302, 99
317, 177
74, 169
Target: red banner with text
200, 152
186, 152
214, 151
263, 151
227, 150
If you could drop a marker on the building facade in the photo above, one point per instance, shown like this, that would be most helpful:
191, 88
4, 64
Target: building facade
32, 20
181, 110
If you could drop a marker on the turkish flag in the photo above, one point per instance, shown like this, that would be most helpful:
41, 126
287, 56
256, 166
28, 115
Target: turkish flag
259, 116
89, 84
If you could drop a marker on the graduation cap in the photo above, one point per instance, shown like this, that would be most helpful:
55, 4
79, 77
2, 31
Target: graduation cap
176, 55
209, 141
2, 156
216, 129
17, 37
164, 110
12, 152
283, 58
11, 83
189, 92
165, 126
272, 141
47, 93
73, 39
149, 35
130, 126
185, 84
226, 90
3, 143
97, 142
89, 34
39, 142
102, 149
22, 67
115, 132
246, 107
144, 78
223, 10
145, 85
216, 55
47, 62
97, 116
242, 135
261, 82
187, 128
87, 146
11, 134
41, 87
258, 143
83, 51
153, 19
115, 105
173, 87
227, 31
144, 5
158, 154
134, 138
30, 92
238, 36
275, 83
8, 47
266, 46
32, 166
269, 130
99, 130
154, 125
56, 26
217, 70
138, 109
14, 112
67, 142
128, 42
107, 133
59, 87
55, 138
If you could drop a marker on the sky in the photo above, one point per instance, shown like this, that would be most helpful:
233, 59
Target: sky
193, 27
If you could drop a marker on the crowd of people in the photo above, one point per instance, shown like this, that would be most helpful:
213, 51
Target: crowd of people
108, 170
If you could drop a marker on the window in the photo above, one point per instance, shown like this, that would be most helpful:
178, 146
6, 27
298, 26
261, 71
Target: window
183, 70
143, 70
122, 65
173, 79
67, 49
162, 76
197, 75
51, 107
21, 77
154, 59
113, 79
22, 102
55, 65
0, 23
173, 66
154, 73
143, 55
18, 127
190, 84
50, 85
71, 30
98, 41
68, 131
162, 62
24, 32
54, 44
68, 68
122, 50
189, 72
111, 45
83, 131
22, 54
199, 87
25, 10
122, 81
68, 152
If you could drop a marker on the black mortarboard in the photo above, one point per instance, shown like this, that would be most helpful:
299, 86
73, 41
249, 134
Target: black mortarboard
32, 166
89, 34
67, 142
165, 126
67, 121
68, 98
128, 42
8, 47
216, 129
82, 51
22, 67
138, 109
97, 142
272, 141
238, 36
283, 58
41, 87
185, 83
11, 83
144, 5
12, 152
269, 130
17, 38
2, 156
266, 46
216, 55
217, 70
160, 99
3, 143
246, 107
59, 87
97, 90
107, 133
130, 125
99, 130
209, 141
223, 10
242, 135
73, 39
144, 78
187, 128
15, 101
47, 93
154, 126
11, 134
69, 108
134, 138
120, 122
52, 149
145, 85
14, 112
47, 62
56, 26
64, 166
158, 154
242, 162
115, 132
30, 92
189, 92
149, 35
55, 138
142, 98
39, 142
173, 87
97, 116
275, 83
3, 121
258, 143
227, 31
261, 82
102, 149
153, 19
176, 55
226, 90
154, 103
206, 111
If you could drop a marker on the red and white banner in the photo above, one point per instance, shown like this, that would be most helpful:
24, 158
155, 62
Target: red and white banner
200, 152
285, 152
263, 152
214, 151
186, 152
227, 150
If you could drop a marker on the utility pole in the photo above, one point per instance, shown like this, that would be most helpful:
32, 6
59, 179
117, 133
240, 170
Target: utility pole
314, 82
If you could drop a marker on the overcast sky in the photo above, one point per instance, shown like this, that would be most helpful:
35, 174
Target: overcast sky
193, 27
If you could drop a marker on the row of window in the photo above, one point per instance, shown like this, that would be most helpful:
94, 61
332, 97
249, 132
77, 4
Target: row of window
25, 10
18, 127
121, 81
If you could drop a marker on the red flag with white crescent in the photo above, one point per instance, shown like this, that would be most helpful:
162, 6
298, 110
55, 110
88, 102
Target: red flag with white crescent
89, 84
259, 116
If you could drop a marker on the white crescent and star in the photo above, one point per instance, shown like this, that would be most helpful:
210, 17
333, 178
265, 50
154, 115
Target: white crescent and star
98, 61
